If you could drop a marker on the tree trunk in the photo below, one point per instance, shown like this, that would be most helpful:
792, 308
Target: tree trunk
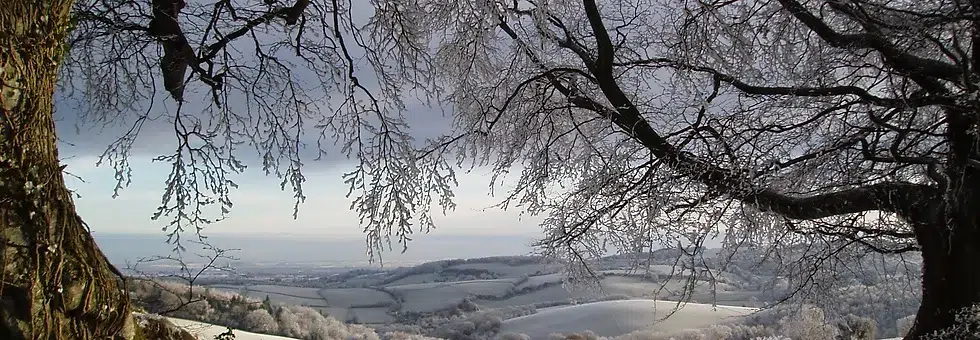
55, 282
950, 244
950, 283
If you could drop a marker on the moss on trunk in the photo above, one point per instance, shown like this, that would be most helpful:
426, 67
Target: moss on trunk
150, 327
56, 283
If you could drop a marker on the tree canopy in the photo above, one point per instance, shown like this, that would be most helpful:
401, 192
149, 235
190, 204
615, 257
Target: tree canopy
648, 110
838, 125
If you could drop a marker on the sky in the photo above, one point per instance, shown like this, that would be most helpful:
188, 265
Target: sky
260, 206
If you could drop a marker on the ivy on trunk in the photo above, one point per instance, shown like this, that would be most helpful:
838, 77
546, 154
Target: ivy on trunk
56, 283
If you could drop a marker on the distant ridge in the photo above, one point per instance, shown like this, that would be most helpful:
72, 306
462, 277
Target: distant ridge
295, 248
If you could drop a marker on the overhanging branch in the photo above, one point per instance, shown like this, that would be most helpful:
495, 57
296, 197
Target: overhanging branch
923, 70
898, 197
798, 91
178, 55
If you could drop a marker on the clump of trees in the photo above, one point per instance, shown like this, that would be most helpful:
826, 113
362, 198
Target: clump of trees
466, 320
852, 327
235, 311
809, 323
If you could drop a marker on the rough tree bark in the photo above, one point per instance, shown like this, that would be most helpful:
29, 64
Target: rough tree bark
55, 282
950, 281
950, 237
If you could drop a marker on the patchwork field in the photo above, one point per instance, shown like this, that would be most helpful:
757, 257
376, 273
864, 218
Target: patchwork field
440, 287
622, 317
355, 297
283, 294
454, 298
434, 296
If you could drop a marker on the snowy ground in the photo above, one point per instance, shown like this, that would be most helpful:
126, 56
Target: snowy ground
683, 319
430, 288
208, 331
538, 284
614, 318
433, 296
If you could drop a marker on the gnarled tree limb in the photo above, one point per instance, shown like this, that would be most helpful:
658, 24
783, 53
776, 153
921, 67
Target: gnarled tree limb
896, 197
178, 54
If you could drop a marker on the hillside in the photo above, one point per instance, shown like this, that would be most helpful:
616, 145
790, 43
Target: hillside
453, 298
622, 317
205, 331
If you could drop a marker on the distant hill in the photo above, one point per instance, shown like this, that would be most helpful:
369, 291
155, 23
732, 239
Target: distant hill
515, 286
327, 250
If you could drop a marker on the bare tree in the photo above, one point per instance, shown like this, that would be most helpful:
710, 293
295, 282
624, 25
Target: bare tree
186, 275
240, 72
821, 127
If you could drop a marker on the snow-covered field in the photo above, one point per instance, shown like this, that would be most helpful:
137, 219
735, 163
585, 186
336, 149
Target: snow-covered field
433, 296
433, 287
365, 305
427, 295
206, 331
299, 292
538, 280
547, 294
283, 294
415, 279
617, 318
614, 318
353, 297
504, 269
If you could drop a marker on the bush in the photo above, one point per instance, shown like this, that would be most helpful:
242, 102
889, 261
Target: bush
260, 321
808, 324
853, 327
289, 323
967, 321
235, 311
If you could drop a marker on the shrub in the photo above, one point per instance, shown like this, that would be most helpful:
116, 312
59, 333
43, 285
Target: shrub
965, 327
260, 321
289, 323
853, 327
808, 324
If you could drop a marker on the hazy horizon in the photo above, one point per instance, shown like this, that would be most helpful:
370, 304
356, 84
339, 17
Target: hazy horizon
121, 247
